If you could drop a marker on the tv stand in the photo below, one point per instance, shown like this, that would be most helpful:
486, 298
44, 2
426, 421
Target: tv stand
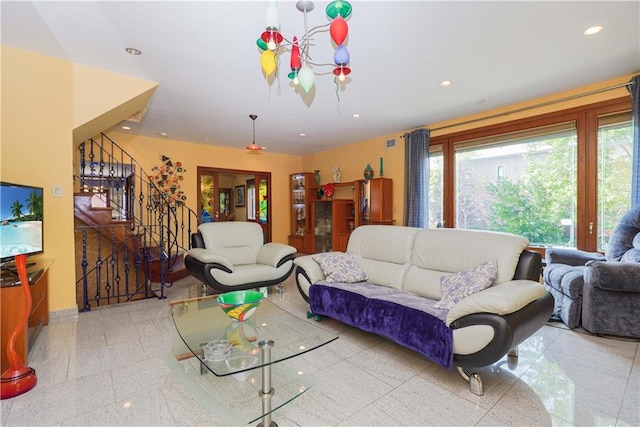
12, 307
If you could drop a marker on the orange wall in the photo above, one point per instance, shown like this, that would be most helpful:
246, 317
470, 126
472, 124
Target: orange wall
370, 151
147, 151
37, 118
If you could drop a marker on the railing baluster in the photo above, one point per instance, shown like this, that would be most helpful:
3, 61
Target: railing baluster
154, 224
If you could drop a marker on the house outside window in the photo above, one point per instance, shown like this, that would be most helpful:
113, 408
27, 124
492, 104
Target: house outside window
566, 181
539, 193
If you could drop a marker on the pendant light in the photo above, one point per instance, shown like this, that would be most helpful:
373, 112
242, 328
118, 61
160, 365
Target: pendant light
253, 146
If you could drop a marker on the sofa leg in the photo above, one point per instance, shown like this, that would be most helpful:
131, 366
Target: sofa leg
512, 358
475, 382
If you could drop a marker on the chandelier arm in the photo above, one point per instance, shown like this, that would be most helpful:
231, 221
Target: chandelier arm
321, 65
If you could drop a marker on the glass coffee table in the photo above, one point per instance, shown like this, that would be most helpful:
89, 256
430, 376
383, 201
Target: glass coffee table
238, 392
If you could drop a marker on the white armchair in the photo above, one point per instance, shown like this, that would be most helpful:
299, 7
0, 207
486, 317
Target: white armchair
229, 256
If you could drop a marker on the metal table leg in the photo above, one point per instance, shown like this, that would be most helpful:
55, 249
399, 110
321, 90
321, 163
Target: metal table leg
267, 391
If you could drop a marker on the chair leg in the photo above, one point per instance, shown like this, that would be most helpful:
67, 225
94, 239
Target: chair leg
204, 289
280, 287
475, 382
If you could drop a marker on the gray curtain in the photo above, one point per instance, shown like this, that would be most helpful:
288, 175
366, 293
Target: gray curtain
416, 178
635, 129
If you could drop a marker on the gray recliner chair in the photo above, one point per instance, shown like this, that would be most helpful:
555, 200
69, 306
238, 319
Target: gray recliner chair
599, 292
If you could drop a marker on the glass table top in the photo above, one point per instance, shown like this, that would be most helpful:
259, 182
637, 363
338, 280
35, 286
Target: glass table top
231, 394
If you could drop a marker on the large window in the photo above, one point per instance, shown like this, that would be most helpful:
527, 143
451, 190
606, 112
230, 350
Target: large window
558, 179
535, 196
615, 145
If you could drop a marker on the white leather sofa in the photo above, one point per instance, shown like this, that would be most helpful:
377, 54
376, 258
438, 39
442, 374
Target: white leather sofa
400, 297
230, 256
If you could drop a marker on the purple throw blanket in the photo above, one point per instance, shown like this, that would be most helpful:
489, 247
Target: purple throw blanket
407, 319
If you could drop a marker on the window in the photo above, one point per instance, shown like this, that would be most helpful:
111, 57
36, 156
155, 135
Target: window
436, 170
537, 200
561, 178
615, 145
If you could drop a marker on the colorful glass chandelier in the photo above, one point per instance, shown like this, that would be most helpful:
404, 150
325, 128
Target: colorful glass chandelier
273, 44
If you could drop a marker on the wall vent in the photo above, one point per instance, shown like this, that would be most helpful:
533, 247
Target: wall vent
391, 143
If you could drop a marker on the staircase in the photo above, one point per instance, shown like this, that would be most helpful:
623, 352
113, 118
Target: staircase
130, 239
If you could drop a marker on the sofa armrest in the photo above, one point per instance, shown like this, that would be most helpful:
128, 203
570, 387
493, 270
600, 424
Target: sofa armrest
613, 276
197, 241
310, 267
210, 257
275, 254
505, 298
574, 257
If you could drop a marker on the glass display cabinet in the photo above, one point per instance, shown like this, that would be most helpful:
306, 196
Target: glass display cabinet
333, 222
302, 194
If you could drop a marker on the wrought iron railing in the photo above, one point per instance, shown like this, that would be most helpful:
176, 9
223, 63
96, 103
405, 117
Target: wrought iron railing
118, 257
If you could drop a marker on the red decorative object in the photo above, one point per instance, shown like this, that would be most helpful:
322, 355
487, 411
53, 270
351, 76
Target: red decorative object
329, 190
339, 30
295, 55
18, 378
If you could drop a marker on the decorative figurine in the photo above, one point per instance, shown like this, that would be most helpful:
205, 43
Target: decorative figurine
337, 175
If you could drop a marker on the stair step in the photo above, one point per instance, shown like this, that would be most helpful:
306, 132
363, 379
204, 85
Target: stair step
178, 271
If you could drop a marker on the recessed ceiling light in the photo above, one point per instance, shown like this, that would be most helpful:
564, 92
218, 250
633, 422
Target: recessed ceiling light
355, 115
126, 127
593, 30
445, 83
163, 134
302, 134
205, 139
133, 51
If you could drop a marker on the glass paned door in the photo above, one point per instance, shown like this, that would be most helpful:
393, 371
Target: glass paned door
207, 198
615, 148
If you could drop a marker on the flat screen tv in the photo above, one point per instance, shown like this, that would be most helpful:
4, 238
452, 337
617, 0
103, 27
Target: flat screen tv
21, 214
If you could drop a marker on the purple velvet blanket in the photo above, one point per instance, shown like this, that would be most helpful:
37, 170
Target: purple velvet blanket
407, 319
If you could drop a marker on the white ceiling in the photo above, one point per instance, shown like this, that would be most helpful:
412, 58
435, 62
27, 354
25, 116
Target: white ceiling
204, 57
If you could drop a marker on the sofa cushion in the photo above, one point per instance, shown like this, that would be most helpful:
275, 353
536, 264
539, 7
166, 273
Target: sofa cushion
384, 252
451, 250
406, 319
339, 267
239, 242
457, 286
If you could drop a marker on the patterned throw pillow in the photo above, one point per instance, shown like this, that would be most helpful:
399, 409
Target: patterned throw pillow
457, 286
340, 268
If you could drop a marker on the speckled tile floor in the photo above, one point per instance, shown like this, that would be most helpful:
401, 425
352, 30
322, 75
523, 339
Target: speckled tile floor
106, 367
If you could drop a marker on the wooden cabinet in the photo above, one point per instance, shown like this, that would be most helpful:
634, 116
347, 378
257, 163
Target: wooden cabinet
333, 222
380, 201
12, 304
303, 192
325, 225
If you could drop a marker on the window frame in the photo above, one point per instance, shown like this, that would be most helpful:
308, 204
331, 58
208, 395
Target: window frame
586, 120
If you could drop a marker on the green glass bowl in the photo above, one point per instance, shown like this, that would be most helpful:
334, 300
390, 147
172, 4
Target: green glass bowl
240, 305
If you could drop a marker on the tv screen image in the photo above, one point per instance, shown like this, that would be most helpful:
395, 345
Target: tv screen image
21, 214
